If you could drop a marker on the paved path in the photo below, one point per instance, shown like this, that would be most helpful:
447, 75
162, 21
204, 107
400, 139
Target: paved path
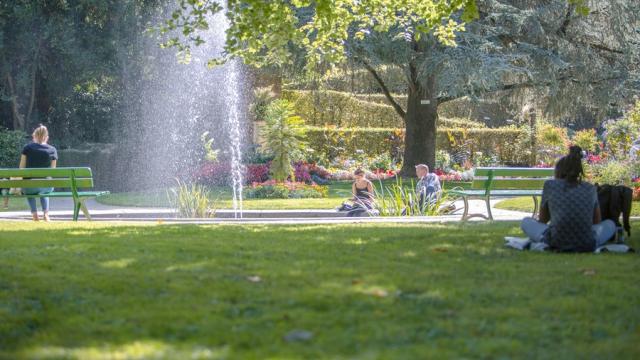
61, 210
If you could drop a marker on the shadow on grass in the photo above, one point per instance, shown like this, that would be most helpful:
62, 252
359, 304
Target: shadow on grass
383, 290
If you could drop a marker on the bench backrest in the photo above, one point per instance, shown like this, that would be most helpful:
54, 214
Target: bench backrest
505, 178
73, 178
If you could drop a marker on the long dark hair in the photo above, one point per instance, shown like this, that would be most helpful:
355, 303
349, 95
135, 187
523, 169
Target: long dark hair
569, 167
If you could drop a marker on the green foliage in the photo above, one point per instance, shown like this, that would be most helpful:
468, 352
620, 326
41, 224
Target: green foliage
620, 134
612, 172
192, 200
11, 143
401, 199
586, 139
552, 141
321, 30
262, 97
286, 191
211, 154
284, 138
509, 144
342, 109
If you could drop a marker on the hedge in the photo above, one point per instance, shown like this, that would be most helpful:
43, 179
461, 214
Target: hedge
509, 144
11, 143
341, 109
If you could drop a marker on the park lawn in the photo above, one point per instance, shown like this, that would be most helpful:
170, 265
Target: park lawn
15, 204
102, 291
526, 204
338, 192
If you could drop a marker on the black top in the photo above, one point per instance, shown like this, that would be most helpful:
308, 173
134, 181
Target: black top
39, 155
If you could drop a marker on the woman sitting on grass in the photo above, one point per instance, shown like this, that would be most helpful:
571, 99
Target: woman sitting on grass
39, 154
570, 219
363, 196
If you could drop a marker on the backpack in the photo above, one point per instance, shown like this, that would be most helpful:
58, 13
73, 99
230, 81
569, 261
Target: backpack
616, 200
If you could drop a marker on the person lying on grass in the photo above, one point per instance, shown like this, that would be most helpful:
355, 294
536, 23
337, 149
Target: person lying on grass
570, 219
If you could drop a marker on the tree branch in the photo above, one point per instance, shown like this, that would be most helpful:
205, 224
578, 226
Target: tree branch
384, 88
525, 85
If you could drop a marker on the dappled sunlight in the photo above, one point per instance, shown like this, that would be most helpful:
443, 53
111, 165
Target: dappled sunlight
197, 266
409, 254
117, 264
133, 350
362, 241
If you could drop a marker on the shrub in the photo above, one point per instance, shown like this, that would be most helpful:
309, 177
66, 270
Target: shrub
219, 173
622, 133
509, 145
262, 97
612, 172
328, 107
552, 142
285, 190
284, 138
586, 139
347, 110
192, 200
11, 143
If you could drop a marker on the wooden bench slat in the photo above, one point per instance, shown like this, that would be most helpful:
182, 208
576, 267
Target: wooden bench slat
507, 184
515, 172
65, 194
63, 172
44, 183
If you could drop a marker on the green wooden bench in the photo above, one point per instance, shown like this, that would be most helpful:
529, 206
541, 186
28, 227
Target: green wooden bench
494, 182
73, 179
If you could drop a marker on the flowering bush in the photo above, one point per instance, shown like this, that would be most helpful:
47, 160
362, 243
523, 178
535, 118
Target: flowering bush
256, 173
453, 175
273, 190
219, 173
213, 173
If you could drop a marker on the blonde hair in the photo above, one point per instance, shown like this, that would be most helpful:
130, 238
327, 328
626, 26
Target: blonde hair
41, 134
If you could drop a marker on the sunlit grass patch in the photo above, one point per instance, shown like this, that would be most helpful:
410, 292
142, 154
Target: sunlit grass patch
103, 291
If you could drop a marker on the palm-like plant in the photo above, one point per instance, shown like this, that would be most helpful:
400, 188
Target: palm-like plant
284, 137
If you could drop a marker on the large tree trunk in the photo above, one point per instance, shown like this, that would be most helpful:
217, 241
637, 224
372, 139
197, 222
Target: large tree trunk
420, 121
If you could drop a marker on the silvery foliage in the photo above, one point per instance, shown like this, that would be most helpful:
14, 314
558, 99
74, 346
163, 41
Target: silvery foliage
540, 51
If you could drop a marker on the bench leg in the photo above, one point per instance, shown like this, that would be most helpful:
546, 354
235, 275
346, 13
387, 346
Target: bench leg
85, 211
535, 207
466, 209
488, 202
76, 210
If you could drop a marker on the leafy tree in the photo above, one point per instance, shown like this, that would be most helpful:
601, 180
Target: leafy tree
284, 138
511, 46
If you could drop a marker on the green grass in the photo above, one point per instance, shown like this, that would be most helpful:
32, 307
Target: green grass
526, 204
101, 291
15, 204
338, 192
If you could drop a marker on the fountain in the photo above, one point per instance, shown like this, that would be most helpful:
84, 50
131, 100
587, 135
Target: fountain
172, 104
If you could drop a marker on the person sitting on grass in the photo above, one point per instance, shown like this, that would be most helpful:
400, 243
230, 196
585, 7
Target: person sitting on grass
428, 187
570, 219
39, 154
363, 196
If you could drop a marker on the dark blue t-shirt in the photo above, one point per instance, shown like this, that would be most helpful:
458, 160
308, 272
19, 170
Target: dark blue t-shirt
39, 155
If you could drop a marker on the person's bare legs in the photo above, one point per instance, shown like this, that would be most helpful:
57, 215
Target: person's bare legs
46, 216
35, 217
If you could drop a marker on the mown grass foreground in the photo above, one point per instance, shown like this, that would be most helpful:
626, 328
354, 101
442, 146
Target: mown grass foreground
102, 291
525, 204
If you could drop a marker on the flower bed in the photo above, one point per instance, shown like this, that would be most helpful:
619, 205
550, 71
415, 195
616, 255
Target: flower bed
287, 190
